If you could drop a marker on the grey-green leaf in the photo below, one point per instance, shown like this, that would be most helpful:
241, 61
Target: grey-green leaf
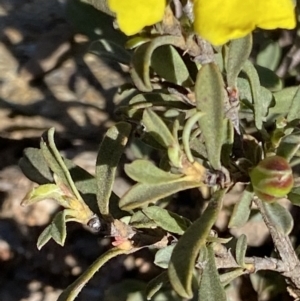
42, 192
140, 195
210, 288
163, 256
227, 277
72, 291
144, 171
241, 210
109, 154
294, 196
281, 218
140, 220
156, 284
269, 55
210, 94
238, 53
34, 166
157, 128
167, 220
240, 250
58, 228
294, 111
168, 64
44, 237
289, 145
252, 75
187, 249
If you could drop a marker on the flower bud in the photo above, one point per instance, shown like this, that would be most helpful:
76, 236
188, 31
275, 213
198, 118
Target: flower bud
272, 178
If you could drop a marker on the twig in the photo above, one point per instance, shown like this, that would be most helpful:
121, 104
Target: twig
286, 252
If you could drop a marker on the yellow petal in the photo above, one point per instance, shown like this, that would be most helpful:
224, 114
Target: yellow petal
134, 15
219, 21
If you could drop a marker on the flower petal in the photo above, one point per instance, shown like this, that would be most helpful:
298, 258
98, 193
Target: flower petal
219, 21
134, 15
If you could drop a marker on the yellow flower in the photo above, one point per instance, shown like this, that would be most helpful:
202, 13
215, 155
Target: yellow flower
134, 15
219, 21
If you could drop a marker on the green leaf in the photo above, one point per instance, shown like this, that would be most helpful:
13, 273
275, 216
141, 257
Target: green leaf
294, 196
111, 149
140, 195
157, 128
294, 111
109, 50
283, 102
42, 192
227, 277
167, 220
210, 285
163, 256
58, 228
238, 53
140, 220
269, 55
268, 78
148, 53
144, 171
137, 70
34, 166
210, 93
289, 145
72, 291
240, 250
156, 284
241, 210
265, 97
184, 255
44, 237
168, 64
280, 217
252, 75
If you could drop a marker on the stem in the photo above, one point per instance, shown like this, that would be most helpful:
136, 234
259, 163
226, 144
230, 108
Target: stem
62, 164
286, 251
72, 291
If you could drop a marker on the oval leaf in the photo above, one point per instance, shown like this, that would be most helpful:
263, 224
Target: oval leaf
280, 217
163, 256
167, 220
168, 64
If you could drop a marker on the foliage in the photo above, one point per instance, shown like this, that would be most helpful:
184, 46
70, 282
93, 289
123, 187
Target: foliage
211, 116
